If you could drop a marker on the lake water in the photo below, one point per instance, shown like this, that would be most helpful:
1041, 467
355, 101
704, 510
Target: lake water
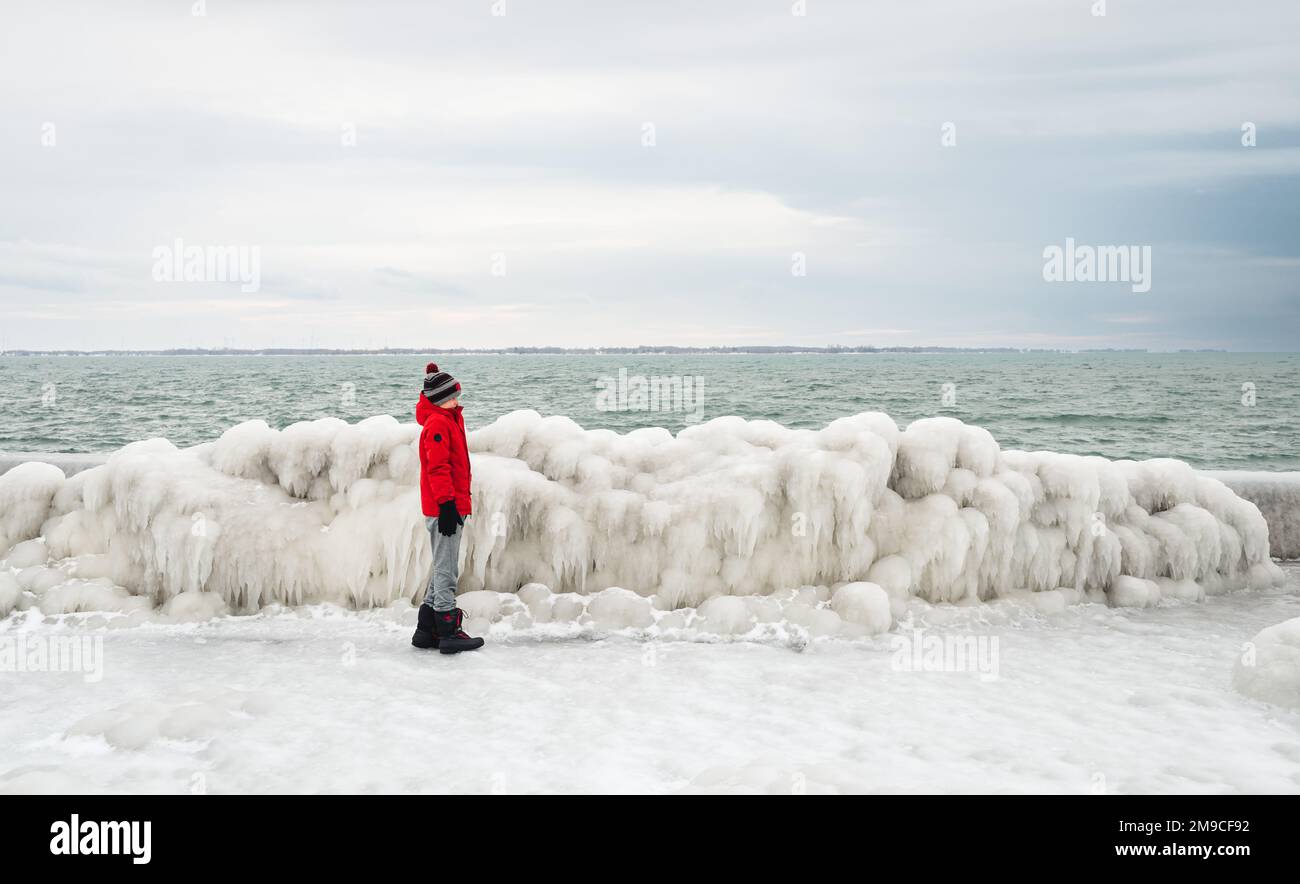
1119, 405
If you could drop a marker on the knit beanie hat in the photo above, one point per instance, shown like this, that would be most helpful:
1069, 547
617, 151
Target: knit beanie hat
438, 385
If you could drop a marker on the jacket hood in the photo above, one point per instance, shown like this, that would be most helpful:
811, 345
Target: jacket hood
423, 409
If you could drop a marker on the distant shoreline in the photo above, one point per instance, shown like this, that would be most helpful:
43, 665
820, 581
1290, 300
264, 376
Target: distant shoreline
583, 351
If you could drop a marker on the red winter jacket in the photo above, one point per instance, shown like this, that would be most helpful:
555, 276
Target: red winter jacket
444, 458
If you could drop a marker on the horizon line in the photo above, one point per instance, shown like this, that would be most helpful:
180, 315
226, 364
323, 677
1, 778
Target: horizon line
756, 349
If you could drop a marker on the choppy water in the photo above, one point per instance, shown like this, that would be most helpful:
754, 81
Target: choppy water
1186, 405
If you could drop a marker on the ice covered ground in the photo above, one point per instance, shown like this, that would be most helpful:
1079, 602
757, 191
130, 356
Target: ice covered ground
1078, 699
725, 612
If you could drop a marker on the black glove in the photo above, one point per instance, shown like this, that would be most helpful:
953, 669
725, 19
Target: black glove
448, 518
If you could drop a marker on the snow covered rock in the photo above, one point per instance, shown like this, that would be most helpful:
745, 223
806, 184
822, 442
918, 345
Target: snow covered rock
1134, 592
567, 607
194, 607
27, 554
532, 593
865, 604
75, 596
26, 492
617, 608
1269, 668
10, 593
481, 605
726, 615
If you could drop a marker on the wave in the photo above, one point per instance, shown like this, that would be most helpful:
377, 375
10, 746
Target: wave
1095, 419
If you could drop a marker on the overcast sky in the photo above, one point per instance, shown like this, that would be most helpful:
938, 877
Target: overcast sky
500, 190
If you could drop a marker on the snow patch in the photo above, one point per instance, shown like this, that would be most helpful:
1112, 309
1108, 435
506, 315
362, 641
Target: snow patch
136, 725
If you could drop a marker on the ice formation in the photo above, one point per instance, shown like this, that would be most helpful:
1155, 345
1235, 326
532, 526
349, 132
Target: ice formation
1278, 497
1269, 667
735, 520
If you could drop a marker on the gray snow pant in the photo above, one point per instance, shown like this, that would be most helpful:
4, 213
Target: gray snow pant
441, 594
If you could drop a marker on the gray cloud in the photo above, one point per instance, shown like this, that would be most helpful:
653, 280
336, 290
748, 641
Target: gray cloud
499, 191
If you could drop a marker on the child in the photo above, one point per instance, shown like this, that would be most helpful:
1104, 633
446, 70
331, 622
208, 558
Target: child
444, 496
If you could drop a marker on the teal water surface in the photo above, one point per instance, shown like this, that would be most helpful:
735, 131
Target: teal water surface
1119, 405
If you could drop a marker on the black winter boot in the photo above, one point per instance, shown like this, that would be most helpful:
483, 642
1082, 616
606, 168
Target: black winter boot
451, 638
426, 633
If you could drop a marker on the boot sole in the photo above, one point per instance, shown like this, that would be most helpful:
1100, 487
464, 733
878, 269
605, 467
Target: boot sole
445, 649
